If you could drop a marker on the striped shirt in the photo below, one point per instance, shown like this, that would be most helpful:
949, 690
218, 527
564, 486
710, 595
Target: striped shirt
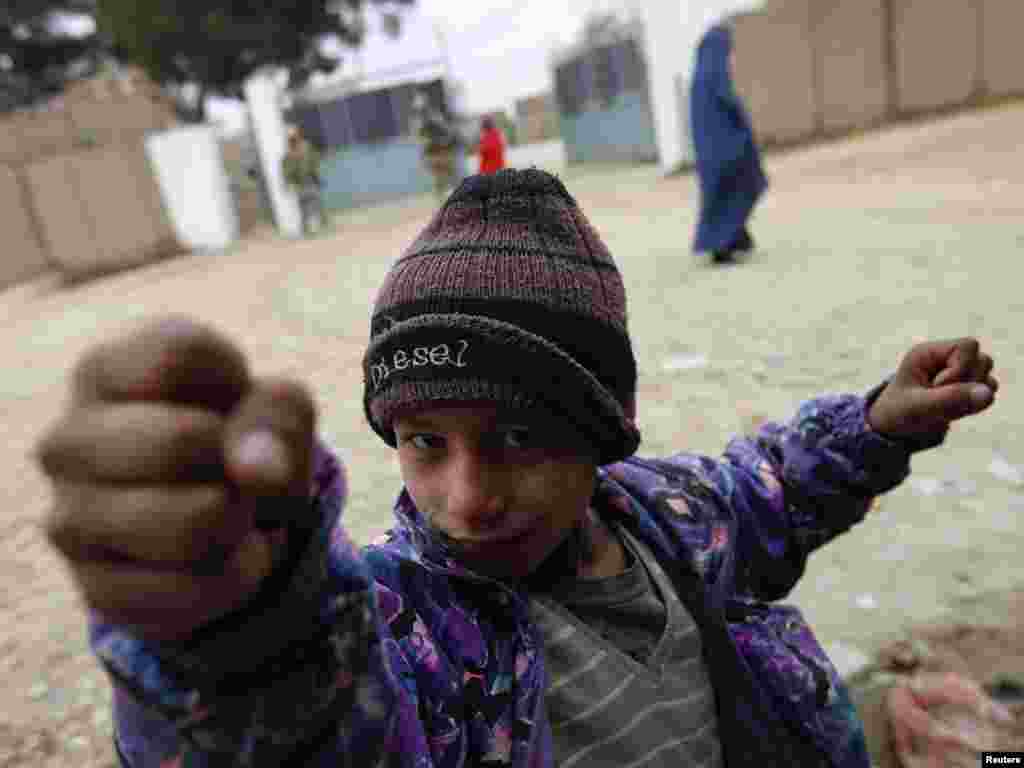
627, 685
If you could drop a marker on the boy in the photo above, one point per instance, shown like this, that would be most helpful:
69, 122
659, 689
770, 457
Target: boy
545, 598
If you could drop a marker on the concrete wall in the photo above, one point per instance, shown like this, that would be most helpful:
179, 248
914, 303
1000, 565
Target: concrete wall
128, 217
1002, 56
55, 190
367, 174
88, 228
848, 40
91, 115
624, 131
935, 53
28, 136
75, 188
117, 119
811, 68
22, 256
774, 74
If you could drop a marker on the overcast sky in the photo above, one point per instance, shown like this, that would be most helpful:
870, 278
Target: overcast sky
498, 49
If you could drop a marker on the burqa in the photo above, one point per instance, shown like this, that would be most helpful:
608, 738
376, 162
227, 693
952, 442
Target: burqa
728, 162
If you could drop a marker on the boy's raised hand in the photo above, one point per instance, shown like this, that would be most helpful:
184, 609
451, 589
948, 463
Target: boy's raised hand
937, 383
167, 457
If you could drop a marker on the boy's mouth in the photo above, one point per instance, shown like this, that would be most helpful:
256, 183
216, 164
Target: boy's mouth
503, 540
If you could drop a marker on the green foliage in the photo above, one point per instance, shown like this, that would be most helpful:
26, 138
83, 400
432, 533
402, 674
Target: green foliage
217, 44
37, 56
214, 44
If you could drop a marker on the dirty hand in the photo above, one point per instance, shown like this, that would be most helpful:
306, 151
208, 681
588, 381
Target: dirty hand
164, 468
942, 720
937, 383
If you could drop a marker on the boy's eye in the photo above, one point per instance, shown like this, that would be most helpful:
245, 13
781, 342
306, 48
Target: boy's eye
424, 442
519, 438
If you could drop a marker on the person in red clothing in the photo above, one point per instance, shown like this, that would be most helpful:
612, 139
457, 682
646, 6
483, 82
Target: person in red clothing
492, 147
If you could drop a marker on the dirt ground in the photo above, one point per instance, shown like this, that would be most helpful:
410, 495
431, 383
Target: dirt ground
865, 247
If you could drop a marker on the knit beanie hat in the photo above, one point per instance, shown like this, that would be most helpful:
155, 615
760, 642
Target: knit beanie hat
507, 297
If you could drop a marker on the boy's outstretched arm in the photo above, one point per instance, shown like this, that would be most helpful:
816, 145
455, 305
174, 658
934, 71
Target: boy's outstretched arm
196, 513
794, 487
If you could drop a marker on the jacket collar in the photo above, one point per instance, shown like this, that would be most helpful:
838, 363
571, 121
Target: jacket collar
421, 542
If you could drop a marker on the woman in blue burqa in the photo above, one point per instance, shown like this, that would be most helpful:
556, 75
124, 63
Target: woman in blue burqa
728, 162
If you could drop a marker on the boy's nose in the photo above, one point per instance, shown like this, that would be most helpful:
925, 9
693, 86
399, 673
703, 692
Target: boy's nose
475, 497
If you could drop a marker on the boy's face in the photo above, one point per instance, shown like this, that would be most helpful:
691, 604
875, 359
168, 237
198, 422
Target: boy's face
505, 489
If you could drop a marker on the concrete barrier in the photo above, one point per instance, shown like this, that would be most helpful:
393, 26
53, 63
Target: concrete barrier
118, 119
849, 42
90, 228
188, 167
1002, 62
55, 195
23, 256
9, 142
774, 69
82, 198
935, 52
129, 222
28, 136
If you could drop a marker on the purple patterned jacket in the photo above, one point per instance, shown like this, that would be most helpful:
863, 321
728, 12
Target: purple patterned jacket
397, 656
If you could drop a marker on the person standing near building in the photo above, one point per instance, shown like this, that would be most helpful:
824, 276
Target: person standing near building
492, 146
729, 169
439, 144
301, 168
